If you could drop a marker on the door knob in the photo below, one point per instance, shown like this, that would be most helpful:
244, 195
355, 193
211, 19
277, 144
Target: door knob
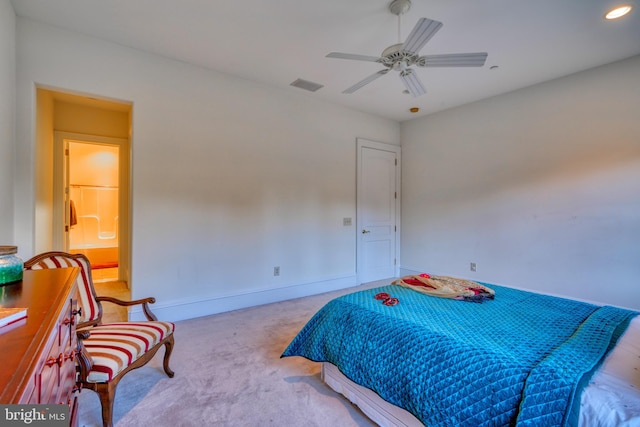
365, 231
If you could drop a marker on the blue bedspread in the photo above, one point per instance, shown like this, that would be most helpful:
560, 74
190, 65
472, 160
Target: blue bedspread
522, 358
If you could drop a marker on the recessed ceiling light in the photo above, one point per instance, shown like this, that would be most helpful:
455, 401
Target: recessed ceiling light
618, 12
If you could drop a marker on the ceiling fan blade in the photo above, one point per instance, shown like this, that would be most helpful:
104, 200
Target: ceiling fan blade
421, 34
412, 83
453, 60
366, 81
353, 56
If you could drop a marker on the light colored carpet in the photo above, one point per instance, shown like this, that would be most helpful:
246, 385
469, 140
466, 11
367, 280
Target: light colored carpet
229, 373
113, 312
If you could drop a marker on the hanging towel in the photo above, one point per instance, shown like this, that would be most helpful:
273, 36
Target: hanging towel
73, 217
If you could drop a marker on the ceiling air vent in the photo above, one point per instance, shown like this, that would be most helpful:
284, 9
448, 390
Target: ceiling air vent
307, 85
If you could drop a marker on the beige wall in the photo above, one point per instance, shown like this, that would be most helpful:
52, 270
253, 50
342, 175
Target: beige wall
100, 121
230, 177
539, 187
7, 121
44, 217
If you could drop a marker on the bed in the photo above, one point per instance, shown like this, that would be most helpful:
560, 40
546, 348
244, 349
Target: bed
520, 359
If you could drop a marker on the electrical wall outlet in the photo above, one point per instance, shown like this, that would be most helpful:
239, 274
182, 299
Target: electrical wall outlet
472, 266
276, 271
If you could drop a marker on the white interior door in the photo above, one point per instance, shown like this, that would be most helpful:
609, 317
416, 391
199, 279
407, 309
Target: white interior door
378, 210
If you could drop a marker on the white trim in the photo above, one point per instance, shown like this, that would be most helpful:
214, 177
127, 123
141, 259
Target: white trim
189, 308
360, 143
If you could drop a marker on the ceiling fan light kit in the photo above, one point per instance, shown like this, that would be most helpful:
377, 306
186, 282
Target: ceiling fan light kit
400, 56
400, 7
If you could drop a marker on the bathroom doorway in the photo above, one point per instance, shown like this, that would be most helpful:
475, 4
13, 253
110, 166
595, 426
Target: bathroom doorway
94, 198
65, 123
93, 203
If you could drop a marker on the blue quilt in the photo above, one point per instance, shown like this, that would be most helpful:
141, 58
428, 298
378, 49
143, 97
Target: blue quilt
521, 359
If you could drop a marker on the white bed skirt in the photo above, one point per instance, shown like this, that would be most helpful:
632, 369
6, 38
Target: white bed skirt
373, 406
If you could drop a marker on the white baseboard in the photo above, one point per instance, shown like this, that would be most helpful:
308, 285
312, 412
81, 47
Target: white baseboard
176, 310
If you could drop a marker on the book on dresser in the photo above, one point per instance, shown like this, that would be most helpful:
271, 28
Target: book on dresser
9, 316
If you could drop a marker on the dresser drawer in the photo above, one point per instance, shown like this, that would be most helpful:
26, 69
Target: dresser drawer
56, 376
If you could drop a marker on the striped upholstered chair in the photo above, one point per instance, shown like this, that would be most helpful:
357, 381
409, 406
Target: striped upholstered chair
113, 349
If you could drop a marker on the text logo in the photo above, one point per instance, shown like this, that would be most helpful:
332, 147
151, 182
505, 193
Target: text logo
34, 415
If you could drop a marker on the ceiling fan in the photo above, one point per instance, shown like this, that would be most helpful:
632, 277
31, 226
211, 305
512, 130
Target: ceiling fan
399, 57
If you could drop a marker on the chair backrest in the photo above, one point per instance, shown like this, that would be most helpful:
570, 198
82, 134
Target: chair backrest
91, 309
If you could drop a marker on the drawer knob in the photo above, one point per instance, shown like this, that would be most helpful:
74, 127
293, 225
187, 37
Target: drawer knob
55, 360
75, 313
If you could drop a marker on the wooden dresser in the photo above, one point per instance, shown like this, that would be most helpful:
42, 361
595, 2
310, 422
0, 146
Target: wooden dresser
38, 353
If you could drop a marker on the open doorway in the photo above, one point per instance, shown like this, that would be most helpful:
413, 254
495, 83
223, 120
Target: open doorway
91, 201
83, 160
93, 193
97, 128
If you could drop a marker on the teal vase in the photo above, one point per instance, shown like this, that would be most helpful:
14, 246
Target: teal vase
10, 265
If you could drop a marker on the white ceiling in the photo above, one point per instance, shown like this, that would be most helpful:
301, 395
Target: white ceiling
278, 41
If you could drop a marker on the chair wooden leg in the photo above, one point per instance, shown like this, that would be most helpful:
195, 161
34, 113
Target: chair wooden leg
168, 349
107, 393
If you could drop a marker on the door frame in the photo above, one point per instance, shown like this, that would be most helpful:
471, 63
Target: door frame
60, 189
366, 143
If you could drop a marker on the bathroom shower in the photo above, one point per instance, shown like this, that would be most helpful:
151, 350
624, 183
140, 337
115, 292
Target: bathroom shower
93, 203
